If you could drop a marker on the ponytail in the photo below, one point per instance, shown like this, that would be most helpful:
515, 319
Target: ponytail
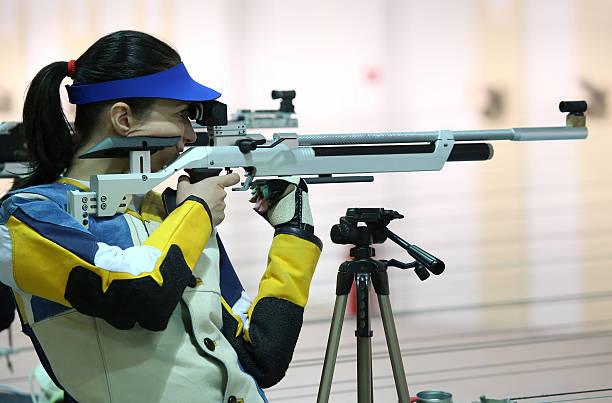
47, 131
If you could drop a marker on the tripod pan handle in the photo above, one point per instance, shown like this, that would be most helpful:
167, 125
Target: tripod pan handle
433, 264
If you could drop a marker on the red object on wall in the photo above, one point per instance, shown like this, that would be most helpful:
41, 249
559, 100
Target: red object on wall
351, 305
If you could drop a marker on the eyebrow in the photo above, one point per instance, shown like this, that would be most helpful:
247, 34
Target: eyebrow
181, 107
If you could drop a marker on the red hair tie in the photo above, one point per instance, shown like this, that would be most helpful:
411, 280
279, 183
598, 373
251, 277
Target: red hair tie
71, 68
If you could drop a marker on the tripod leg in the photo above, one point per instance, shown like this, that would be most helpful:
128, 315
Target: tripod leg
364, 339
364, 370
394, 351
332, 349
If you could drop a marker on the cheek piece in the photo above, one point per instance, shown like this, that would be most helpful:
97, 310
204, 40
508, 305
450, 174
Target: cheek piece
173, 83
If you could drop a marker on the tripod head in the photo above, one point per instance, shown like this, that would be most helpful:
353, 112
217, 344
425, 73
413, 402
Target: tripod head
348, 231
376, 219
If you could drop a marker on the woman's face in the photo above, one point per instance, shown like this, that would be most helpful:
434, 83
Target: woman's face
168, 118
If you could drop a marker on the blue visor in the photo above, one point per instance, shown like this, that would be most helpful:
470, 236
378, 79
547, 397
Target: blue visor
174, 83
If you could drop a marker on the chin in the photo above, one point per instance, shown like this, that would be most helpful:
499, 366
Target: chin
163, 158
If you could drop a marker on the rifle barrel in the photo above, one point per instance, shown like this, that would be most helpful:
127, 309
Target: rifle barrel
515, 134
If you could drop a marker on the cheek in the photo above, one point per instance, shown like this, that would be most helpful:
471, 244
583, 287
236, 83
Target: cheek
164, 129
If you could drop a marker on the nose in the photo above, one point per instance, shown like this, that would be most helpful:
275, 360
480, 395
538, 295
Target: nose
189, 135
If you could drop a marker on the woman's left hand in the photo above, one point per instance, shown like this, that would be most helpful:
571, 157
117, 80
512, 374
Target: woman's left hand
283, 202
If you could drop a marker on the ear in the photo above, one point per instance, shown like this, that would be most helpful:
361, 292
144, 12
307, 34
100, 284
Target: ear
121, 118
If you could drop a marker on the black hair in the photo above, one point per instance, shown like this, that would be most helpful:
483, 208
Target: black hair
51, 141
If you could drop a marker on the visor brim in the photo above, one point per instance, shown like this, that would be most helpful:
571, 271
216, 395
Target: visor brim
174, 83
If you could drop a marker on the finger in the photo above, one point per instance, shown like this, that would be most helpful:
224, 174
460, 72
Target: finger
263, 206
228, 180
183, 181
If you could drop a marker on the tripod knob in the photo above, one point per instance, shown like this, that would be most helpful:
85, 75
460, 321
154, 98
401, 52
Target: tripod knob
344, 233
362, 252
421, 272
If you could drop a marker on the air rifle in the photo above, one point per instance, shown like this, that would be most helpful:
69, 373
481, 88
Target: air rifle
320, 158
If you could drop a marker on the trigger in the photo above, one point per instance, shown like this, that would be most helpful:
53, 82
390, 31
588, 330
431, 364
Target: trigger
246, 185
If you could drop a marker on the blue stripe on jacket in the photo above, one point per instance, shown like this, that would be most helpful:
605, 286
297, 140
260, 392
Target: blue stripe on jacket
229, 283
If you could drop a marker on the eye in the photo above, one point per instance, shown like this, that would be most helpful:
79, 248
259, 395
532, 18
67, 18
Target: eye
184, 114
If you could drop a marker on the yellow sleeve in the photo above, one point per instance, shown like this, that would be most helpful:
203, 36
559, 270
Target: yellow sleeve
265, 343
55, 258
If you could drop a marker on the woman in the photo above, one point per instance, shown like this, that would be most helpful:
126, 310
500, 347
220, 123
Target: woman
144, 306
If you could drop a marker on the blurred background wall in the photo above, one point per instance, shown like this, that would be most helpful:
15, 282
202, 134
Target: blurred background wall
526, 236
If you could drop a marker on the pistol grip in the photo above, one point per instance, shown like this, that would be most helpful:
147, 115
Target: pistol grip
195, 175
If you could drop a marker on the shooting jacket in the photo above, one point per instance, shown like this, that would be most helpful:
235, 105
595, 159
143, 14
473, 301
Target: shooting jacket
144, 307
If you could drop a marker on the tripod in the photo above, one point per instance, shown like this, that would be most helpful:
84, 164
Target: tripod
364, 270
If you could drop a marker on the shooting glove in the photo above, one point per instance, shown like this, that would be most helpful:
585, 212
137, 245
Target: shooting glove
287, 199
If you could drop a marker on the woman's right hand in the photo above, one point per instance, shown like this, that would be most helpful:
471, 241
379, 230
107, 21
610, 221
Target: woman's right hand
211, 190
